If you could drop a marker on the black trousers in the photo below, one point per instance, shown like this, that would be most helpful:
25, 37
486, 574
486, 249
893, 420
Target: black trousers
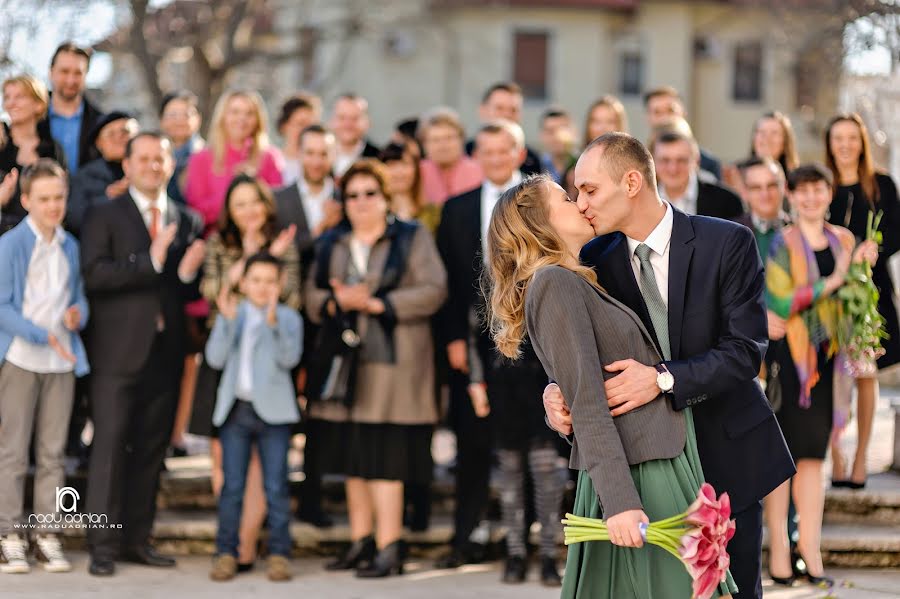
745, 550
133, 418
473, 460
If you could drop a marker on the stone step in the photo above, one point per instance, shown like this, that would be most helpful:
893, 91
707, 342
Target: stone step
877, 504
193, 533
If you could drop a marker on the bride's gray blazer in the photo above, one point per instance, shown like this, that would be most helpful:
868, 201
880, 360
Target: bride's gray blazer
575, 331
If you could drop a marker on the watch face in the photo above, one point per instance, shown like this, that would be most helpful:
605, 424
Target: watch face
665, 380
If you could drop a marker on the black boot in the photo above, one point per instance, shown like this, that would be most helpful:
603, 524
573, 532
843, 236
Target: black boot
359, 554
549, 575
388, 561
515, 570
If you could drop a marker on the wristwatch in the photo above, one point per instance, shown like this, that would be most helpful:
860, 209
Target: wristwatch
664, 379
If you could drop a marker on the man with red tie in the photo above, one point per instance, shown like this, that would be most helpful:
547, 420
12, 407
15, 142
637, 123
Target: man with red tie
131, 251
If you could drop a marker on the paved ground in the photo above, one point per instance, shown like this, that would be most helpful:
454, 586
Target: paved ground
189, 579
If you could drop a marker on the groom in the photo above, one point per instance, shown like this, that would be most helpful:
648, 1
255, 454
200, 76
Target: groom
697, 284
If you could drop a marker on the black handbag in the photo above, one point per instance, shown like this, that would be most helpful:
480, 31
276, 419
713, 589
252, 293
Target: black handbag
332, 368
773, 382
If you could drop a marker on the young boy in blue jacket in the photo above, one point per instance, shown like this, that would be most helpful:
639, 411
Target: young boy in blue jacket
42, 309
255, 342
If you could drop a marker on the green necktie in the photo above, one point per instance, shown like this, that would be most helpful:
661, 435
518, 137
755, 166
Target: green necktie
659, 314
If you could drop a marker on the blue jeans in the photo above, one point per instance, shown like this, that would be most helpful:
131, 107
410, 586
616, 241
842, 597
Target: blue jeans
242, 428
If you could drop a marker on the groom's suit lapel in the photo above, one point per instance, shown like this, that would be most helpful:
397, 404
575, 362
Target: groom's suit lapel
681, 249
622, 284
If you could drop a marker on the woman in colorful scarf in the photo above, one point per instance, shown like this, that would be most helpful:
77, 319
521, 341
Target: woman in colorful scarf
807, 264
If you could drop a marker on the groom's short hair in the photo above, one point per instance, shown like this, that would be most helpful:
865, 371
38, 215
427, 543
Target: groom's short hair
621, 153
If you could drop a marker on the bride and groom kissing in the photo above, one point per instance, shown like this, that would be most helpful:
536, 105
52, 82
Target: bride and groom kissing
653, 325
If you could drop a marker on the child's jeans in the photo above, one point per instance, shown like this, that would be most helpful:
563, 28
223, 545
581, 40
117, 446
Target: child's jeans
240, 431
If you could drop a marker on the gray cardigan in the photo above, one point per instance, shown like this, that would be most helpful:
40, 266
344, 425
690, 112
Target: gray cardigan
576, 330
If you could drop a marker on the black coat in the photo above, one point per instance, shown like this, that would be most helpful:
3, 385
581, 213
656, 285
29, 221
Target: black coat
718, 336
87, 188
126, 293
718, 202
13, 212
460, 245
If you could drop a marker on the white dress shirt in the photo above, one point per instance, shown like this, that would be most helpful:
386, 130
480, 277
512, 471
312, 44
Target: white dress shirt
44, 303
254, 319
687, 203
659, 242
314, 203
143, 204
343, 160
490, 195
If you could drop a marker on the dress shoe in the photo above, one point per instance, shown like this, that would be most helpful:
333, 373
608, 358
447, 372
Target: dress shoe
244, 568
359, 554
102, 567
515, 569
785, 582
147, 556
823, 582
387, 562
457, 557
549, 574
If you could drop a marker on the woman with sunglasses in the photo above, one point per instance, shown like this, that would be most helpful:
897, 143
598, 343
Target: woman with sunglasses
382, 279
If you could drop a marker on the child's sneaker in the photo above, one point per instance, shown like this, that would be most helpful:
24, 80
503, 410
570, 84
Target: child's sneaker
278, 568
48, 552
224, 567
12, 555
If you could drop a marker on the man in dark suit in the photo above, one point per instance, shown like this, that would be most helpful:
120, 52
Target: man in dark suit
711, 330
310, 205
131, 248
499, 149
71, 116
676, 156
350, 123
663, 104
503, 101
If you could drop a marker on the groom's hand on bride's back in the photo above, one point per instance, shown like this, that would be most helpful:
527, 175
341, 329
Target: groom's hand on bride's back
558, 416
633, 387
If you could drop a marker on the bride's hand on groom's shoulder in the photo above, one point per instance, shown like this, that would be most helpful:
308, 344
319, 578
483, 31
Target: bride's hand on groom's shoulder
558, 415
633, 387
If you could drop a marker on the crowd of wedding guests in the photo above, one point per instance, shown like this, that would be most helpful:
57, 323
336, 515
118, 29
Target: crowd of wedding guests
156, 283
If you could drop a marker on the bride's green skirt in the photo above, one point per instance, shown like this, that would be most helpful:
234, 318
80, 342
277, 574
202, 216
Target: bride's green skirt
599, 569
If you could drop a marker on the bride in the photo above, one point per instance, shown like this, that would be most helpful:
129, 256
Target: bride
639, 467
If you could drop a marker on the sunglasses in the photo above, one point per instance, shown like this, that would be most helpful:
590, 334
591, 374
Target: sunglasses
371, 193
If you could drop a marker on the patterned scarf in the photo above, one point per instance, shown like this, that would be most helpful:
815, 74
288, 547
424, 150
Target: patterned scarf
794, 291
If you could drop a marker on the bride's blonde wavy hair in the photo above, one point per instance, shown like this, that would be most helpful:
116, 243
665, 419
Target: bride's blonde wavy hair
520, 241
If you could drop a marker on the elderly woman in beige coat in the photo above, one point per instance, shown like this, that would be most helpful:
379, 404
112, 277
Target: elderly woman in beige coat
386, 276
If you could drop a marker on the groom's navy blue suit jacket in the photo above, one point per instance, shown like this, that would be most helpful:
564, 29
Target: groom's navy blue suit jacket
718, 337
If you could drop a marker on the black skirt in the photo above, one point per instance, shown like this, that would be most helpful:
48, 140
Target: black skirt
206, 391
515, 391
371, 451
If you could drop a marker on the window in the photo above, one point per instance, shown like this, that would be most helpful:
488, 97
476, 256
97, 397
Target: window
747, 85
632, 73
530, 63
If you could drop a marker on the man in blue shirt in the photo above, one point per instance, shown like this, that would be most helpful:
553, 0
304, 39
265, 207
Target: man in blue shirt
71, 116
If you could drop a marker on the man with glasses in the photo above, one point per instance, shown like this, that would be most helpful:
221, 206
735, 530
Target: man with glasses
764, 188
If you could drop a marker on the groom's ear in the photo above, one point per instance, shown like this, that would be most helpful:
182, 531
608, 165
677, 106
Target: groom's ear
633, 182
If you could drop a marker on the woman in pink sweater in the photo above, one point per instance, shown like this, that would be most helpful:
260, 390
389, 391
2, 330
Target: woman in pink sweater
238, 143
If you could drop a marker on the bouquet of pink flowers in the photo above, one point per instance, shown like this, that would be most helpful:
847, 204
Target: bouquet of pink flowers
698, 537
